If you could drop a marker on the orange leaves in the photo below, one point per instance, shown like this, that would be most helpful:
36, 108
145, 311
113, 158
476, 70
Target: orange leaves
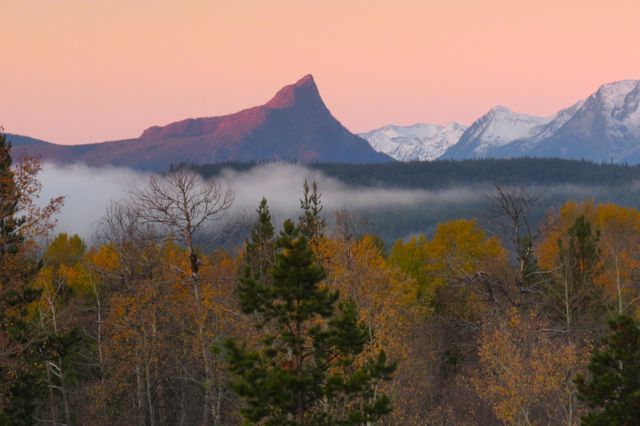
104, 258
384, 295
524, 371
619, 245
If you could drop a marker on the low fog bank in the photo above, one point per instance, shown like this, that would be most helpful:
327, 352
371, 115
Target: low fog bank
87, 192
392, 213
281, 185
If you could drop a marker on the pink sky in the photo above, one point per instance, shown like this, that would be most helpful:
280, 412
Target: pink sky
77, 71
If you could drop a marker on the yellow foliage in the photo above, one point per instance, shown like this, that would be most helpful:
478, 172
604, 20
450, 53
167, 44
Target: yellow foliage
384, 295
104, 258
459, 248
524, 371
63, 274
411, 257
619, 245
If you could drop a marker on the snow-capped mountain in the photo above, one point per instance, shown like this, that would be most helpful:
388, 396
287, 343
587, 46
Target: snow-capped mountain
606, 127
524, 146
296, 125
603, 127
495, 129
423, 142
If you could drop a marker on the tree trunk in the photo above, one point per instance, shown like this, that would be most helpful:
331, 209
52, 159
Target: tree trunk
52, 401
99, 331
63, 390
149, 391
140, 393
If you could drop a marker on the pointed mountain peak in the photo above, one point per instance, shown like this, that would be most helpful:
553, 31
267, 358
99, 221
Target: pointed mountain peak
501, 109
302, 92
498, 112
306, 80
619, 86
503, 113
616, 95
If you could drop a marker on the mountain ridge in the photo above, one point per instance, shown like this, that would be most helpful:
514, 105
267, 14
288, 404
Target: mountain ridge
294, 125
605, 126
417, 142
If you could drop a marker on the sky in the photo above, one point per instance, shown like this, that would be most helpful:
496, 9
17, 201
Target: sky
80, 71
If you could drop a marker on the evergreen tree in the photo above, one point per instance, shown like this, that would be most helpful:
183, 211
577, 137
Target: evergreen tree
582, 253
18, 383
612, 392
308, 368
10, 222
575, 296
312, 224
258, 259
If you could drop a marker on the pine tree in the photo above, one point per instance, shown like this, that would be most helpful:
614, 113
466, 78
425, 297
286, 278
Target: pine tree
312, 224
575, 297
18, 385
258, 259
612, 392
307, 368
582, 253
10, 222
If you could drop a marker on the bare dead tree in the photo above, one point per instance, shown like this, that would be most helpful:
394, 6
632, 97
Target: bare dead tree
348, 225
123, 223
511, 213
124, 229
135, 244
185, 205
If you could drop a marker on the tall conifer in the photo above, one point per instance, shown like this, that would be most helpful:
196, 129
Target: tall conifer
312, 223
612, 392
308, 367
19, 384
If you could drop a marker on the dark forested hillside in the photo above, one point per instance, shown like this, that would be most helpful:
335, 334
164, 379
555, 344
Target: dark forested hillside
554, 181
439, 174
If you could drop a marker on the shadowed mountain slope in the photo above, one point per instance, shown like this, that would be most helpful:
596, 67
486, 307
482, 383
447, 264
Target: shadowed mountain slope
295, 125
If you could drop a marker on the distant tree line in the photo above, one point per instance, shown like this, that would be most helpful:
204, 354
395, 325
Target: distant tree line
446, 173
555, 180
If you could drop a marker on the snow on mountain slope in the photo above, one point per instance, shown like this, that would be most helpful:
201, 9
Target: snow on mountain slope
606, 127
603, 127
619, 104
495, 129
557, 121
419, 142
520, 147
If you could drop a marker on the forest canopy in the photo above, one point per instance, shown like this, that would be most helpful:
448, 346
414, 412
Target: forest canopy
315, 320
